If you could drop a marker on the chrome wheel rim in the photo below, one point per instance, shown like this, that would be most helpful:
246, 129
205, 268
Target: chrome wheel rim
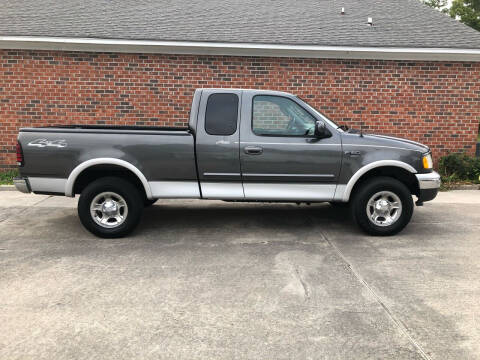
384, 208
109, 209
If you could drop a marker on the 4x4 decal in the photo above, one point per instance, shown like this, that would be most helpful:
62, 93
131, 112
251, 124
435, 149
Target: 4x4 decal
44, 143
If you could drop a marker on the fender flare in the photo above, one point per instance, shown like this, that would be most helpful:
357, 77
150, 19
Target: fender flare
347, 190
105, 161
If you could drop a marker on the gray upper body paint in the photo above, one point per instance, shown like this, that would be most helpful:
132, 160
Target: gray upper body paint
241, 165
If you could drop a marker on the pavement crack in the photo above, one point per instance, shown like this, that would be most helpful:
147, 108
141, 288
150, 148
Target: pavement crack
306, 290
399, 323
42, 200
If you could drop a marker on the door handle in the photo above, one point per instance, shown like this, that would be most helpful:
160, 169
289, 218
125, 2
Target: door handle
352, 153
253, 150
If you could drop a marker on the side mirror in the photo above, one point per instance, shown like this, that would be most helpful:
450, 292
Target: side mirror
321, 130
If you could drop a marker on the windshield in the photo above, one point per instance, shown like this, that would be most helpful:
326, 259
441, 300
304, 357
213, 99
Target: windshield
324, 118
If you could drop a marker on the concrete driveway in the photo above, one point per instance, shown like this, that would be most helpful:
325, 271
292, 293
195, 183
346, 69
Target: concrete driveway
216, 280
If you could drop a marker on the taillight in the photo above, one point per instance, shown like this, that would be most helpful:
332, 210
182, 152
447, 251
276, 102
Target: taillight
19, 154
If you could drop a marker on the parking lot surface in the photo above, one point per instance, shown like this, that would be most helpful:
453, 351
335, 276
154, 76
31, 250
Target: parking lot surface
217, 280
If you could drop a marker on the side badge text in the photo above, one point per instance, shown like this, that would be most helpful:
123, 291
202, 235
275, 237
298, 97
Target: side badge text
51, 143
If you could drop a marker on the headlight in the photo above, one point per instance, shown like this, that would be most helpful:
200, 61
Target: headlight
427, 161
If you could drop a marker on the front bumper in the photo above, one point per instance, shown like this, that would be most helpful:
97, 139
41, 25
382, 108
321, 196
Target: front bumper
428, 181
428, 185
22, 185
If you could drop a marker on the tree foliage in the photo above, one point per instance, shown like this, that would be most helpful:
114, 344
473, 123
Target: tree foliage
467, 11
436, 4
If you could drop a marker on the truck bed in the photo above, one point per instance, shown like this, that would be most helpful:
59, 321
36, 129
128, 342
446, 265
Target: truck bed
160, 153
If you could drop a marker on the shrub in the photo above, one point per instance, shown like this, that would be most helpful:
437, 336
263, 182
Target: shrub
6, 178
459, 167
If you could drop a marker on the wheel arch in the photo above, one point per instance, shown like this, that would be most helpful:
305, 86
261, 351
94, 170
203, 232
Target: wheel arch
118, 163
394, 168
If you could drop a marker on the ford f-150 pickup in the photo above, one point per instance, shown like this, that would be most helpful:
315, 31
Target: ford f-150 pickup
240, 145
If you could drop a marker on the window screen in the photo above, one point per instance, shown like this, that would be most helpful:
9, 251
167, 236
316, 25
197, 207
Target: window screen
221, 114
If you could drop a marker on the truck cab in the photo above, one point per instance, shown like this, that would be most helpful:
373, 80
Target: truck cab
264, 145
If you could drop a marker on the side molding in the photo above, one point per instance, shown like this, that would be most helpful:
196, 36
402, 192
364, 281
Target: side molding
105, 161
343, 192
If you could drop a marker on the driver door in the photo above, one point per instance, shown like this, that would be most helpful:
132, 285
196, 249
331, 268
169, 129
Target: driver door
280, 157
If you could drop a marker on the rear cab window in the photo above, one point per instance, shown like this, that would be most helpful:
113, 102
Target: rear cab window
221, 115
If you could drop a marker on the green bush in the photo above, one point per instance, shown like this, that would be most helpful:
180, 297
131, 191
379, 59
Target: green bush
459, 167
6, 177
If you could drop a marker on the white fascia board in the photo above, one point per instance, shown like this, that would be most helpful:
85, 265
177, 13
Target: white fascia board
236, 49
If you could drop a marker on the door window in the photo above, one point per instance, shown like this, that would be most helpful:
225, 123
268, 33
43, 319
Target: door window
280, 116
221, 114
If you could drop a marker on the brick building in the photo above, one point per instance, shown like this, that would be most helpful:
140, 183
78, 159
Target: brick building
414, 73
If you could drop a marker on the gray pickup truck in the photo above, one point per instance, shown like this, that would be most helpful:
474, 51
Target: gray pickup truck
240, 145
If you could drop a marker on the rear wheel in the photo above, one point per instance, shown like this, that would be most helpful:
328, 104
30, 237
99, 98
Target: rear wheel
110, 207
382, 206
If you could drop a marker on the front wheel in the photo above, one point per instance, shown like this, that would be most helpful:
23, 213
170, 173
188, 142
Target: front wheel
382, 206
110, 207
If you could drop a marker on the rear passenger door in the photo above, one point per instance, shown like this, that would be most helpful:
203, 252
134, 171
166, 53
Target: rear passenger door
217, 144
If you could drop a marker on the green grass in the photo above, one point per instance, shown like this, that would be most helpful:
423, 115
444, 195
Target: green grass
6, 177
448, 184
478, 139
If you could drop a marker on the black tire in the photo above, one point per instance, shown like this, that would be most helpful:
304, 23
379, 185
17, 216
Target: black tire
370, 188
149, 202
131, 196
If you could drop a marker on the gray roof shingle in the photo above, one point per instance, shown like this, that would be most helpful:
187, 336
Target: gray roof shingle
398, 23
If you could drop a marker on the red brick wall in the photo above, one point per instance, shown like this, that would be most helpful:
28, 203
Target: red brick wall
437, 103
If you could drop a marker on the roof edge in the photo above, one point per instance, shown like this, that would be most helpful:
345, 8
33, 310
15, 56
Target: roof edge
236, 49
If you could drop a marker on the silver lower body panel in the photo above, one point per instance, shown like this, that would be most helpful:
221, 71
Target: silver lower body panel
174, 189
47, 185
222, 190
289, 192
